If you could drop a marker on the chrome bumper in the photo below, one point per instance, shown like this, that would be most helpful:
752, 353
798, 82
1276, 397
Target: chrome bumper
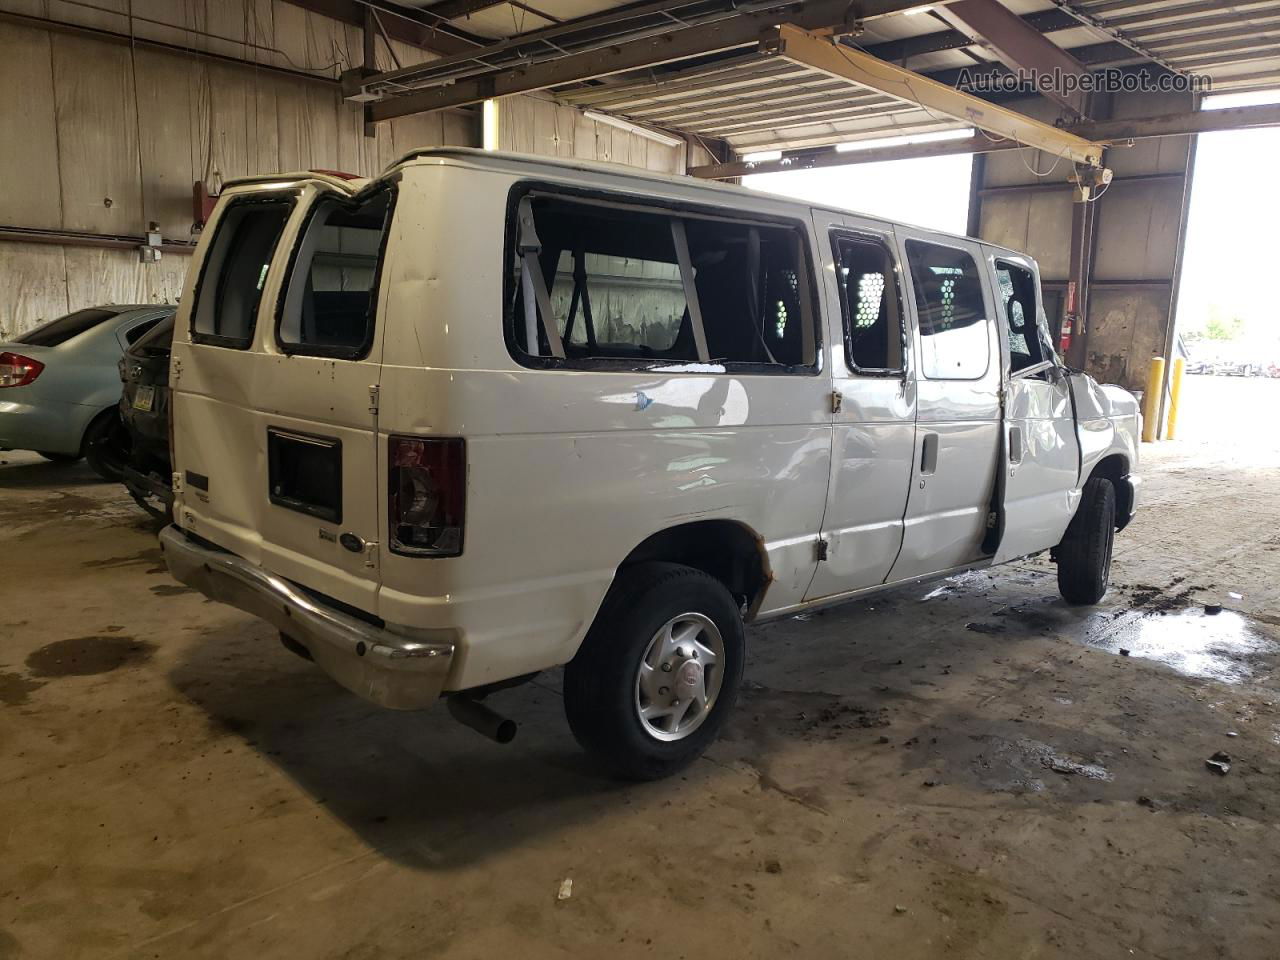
401, 671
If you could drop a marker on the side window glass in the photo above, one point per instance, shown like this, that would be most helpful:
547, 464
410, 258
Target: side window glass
331, 292
953, 321
600, 281
235, 270
869, 301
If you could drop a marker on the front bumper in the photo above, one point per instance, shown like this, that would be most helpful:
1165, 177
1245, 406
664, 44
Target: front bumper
400, 671
1127, 507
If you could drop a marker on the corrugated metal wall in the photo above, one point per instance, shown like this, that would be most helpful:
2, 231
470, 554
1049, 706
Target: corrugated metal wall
1026, 204
112, 135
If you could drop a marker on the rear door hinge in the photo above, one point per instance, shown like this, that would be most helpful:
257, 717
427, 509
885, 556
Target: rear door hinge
374, 392
837, 401
175, 369
821, 549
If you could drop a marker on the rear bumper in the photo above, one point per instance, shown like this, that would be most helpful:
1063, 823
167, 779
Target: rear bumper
48, 425
400, 671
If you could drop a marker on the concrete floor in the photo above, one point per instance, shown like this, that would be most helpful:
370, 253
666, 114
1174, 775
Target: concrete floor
970, 770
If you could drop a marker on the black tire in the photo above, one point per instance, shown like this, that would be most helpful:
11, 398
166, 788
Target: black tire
105, 446
600, 682
67, 458
1084, 556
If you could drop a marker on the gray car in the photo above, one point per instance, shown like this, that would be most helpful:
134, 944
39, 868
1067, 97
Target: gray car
60, 383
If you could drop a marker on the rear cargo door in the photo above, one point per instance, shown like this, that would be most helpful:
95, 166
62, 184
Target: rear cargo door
276, 426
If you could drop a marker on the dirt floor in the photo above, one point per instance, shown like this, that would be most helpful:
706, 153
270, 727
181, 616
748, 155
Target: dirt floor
966, 769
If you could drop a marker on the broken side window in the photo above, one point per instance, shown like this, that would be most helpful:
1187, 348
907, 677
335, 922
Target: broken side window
1027, 338
612, 284
753, 292
235, 270
616, 282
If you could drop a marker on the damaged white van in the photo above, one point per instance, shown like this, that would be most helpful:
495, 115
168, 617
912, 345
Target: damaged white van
486, 415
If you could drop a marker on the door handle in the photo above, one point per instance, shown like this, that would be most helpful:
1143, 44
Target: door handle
1015, 444
929, 454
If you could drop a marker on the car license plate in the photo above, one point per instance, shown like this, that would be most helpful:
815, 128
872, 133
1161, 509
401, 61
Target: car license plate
144, 399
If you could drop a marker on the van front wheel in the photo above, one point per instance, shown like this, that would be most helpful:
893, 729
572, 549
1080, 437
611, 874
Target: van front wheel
658, 672
1084, 555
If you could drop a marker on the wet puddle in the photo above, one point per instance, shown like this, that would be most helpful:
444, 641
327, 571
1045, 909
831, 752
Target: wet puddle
957, 583
1224, 646
87, 656
1022, 765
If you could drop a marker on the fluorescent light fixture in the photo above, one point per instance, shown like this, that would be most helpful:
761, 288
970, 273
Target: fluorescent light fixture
489, 124
635, 128
1254, 98
914, 10
762, 156
878, 142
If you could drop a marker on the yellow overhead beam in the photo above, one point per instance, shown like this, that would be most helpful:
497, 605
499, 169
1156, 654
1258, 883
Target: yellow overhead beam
844, 63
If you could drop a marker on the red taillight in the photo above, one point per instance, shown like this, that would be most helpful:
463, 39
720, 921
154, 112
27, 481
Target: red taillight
17, 370
428, 495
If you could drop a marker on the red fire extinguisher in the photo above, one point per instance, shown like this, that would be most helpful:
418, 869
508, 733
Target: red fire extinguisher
1065, 334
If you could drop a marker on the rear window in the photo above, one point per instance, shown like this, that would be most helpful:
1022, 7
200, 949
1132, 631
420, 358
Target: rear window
59, 331
329, 304
236, 269
159, 339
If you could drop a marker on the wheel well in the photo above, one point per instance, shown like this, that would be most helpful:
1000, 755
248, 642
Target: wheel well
1115, 468
723, 549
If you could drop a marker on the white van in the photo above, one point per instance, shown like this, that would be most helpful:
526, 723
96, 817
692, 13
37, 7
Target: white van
488, 414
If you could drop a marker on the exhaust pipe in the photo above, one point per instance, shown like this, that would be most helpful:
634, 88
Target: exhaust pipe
474, 714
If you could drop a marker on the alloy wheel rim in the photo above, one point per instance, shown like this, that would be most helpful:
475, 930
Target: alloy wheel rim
679, 677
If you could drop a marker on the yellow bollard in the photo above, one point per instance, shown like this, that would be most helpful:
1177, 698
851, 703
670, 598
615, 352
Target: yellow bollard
1151, 399
1175, 391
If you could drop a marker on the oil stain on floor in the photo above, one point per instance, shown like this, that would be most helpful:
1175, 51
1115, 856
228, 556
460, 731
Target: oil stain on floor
87, 656
15, 690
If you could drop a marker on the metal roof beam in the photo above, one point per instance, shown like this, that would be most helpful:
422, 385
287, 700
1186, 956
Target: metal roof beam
899, 51
821, 53
735, 29
411, 25
1018, 46
1184, 13
456, 9
1109, 131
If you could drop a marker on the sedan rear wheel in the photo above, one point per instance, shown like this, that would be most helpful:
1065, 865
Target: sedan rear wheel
106, 446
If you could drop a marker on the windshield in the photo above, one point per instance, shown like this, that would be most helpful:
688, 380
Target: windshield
59, 331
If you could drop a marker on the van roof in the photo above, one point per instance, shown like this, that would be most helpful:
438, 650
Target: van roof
500, 159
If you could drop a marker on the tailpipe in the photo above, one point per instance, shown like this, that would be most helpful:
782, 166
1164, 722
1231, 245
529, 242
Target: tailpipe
474, 714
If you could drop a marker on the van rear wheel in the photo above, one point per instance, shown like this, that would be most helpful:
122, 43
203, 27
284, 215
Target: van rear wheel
658, 672
1084, 555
